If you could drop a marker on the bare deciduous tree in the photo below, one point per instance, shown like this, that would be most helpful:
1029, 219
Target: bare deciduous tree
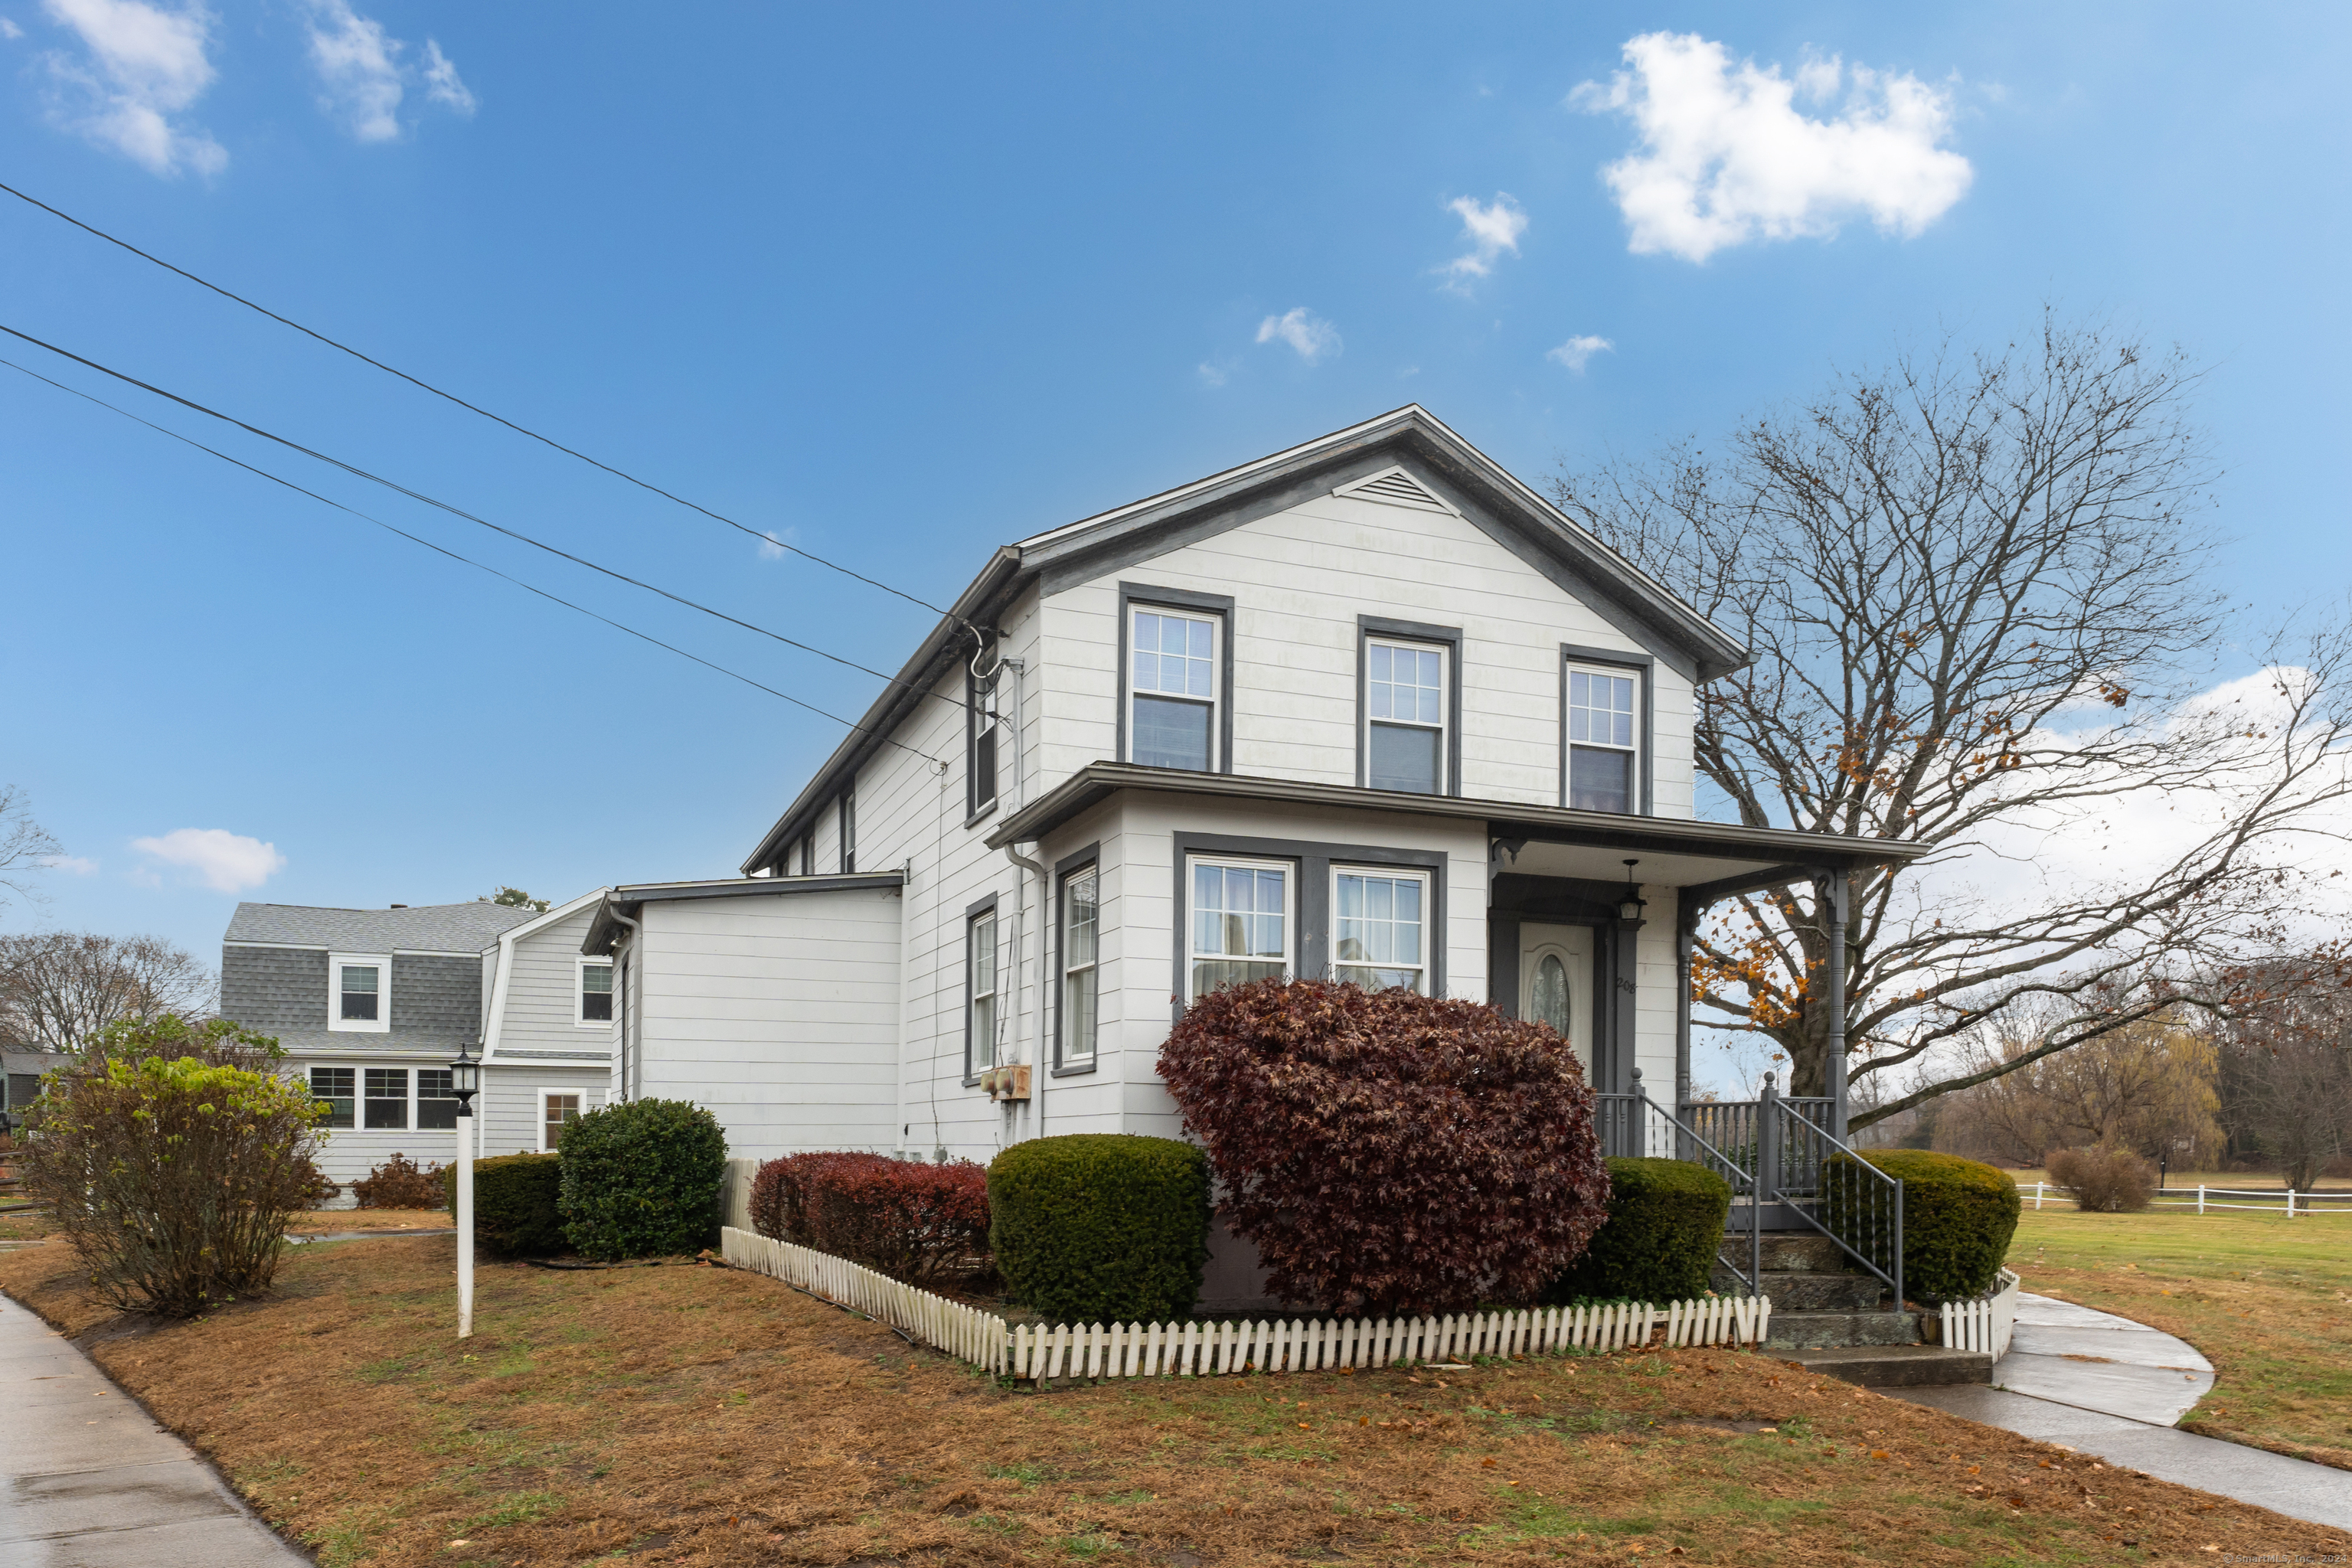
2286, 1079
2148, 1086
1979, 595
25, 846
58, 988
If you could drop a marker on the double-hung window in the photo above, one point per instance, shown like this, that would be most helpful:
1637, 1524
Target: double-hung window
980, 742
335, 1091
359, 992
1380, 929
979, 993
1405, 716
1172, 664
387, 1098
595, 992
1242, 923
1603, 738
558, 1109
437, 1099
848, 831
1081, 965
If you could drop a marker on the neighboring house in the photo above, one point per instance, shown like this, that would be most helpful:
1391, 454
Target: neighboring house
1369, 708
21, 1069
372, 1006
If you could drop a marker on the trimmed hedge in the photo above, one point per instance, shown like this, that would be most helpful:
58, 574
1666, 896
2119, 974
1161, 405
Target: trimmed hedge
925, 1224
642, 1179
515, 1213
1099, 1227
1664, 1226
1958, 1219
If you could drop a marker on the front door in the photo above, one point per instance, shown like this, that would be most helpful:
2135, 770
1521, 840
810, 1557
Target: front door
1556, 983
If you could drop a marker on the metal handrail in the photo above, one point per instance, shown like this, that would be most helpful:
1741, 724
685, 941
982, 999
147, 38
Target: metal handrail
1867, 1200
1685, 1138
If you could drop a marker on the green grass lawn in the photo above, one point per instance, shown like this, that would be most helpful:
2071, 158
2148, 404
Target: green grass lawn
2267, 1300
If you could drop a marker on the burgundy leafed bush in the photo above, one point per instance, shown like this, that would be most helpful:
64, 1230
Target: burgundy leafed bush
927, 1225
1390, 1153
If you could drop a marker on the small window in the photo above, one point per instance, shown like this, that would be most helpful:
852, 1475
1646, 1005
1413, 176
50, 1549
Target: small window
1404, 717
359, 992
980, 743
387, 1098
558, 1111
848, 831
1171, 677
335, 1090
979, 990
1381, 942
1241, 924
437, 1099
1081, 959
595, 990
1603, 740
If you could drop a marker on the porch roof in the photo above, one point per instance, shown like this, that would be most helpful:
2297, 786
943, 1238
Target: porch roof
628, 898
1674, 852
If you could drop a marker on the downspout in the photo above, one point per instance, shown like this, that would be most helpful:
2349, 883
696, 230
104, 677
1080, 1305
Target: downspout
635, 930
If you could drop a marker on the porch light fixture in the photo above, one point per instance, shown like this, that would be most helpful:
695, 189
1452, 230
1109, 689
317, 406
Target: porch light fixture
1630, 907
465, 1078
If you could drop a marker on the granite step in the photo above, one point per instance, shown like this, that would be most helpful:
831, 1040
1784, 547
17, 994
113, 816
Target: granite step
1795, 1293
1823, 1330
1894, 1367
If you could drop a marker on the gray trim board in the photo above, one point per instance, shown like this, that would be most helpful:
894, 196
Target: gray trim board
1218, 604
1648, 667
1310, 945
1371, 627
972, 912
1064, 868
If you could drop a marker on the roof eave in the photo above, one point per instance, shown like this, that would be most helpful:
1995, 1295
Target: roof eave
629, 900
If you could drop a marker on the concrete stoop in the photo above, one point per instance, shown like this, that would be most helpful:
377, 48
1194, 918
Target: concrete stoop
1834, 1330
1894, 1367
1836, 1321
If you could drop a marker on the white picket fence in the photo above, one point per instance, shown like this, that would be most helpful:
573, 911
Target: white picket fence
1983, 1325
1214, 1349
2297, 1205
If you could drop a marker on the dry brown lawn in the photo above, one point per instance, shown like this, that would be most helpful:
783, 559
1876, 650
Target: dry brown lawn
687, 1415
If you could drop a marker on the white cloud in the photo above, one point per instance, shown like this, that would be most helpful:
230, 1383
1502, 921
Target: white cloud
146, 64
441, 82
71, 865
224, 862
1213, 375
1576, 351
1304, 330
1726, 156
1490, 228
9, 30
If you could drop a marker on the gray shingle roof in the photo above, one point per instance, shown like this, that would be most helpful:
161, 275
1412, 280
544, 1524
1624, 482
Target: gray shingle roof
431, 928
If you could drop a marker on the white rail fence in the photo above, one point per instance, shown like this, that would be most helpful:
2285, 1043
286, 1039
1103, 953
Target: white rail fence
1984, 1325
1213, 1349
2296, 1205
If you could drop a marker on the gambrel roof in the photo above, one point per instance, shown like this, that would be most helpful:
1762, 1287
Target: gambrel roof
1407, 456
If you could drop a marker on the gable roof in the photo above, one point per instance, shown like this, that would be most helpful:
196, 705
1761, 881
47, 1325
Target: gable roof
427, 928
1436, 461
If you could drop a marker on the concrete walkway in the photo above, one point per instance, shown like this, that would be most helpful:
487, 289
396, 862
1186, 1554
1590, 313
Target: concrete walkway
88, 1480
2102, 1384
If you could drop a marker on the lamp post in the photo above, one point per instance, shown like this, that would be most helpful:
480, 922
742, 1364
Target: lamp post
465, 1081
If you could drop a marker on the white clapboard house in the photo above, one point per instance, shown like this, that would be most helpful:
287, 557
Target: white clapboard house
1368, 708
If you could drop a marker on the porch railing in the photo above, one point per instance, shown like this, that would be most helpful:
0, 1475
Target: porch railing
1635, 1126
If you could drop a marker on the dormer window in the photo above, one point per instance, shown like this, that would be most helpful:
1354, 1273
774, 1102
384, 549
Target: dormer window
1172, 696
1605, 732
359, 992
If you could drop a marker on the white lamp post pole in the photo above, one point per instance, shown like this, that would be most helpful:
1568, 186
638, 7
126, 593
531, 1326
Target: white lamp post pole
465, 1078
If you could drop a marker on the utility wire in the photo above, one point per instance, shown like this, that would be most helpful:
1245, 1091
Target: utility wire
459, 511
464, 560
473, 408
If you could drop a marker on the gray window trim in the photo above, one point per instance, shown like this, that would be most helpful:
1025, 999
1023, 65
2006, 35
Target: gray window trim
1064, 869
1647, 667
975, 808
972, 912
1448, 638
847, 803
1311, 900
1218, 604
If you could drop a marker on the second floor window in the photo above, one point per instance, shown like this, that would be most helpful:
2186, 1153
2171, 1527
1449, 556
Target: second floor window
1603, 740
848, 831
1171, 677
1404, 717
1081, 966
979, 993
359, 992
595, 992
979, 749
362, 993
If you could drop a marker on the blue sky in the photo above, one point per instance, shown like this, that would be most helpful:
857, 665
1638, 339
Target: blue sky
903, 290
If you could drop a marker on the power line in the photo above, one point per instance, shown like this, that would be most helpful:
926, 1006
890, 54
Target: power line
459, 511
465, 560
762, 536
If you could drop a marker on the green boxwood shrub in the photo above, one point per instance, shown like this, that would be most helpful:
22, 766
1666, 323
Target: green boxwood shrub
1958, 1219
1664, 1226
515, 1196
1099, 1227
642, 1178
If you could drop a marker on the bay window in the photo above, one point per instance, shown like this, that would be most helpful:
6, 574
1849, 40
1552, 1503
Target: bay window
1241, 923
1381, 935
1081, 966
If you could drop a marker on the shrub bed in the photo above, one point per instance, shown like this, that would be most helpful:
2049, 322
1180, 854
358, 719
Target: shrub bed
1958, 1219
1664, 1227
924, 1224
1390, 1153
400, 1183
642, 1178
516, 1198
1101, 1226
2103, 1180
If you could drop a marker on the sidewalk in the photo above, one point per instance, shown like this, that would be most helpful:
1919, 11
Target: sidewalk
2106, 1385
91, 1482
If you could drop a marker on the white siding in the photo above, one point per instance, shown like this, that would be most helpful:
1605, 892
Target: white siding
509, 1107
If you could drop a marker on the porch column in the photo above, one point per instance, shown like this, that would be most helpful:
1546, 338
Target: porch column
1623, 990
1686, 913
1837, 884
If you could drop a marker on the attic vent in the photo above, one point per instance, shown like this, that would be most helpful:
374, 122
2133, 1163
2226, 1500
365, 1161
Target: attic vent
1396, 488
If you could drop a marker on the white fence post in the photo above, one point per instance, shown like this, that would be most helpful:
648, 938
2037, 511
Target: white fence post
2200, 1197
2290, 1203
2037, 1195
